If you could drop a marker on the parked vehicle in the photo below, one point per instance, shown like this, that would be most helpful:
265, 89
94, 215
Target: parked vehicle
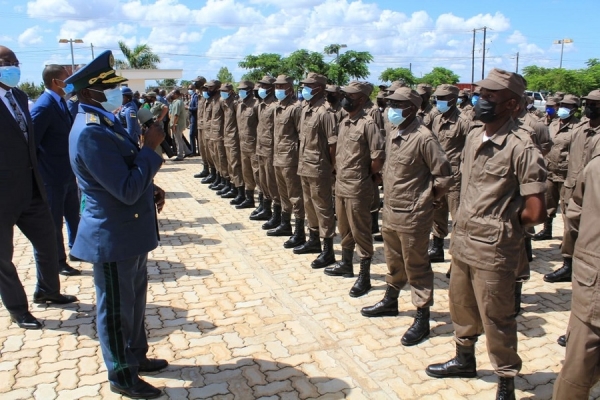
539, 100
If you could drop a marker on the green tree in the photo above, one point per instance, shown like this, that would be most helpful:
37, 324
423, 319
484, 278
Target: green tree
349, 65
261, 65
184, 83
398, 74
224, 75
592, 62
167, 83
32, 90
575, 81
301, 62
140, 57
440, 75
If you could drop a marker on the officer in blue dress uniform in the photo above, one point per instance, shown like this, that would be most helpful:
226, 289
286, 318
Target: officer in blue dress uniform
128, 115
118, 221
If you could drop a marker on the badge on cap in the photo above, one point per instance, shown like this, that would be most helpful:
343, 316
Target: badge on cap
111, 60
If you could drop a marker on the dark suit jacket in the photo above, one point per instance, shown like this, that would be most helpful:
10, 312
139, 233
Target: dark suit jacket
51, 129
18, 162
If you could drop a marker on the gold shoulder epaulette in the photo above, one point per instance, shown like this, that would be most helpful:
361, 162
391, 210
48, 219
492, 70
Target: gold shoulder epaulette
92, 119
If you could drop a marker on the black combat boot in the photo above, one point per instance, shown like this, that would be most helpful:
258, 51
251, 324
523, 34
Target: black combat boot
419, 329
210, 178
241, 196
285, 226
299, 236
343, 267
226, 187
204, 173
313, 245
375, 227
387, 307
562, 340
260, 207
266, 213
506, 389
248, 201
363, 282
222, 184
518, 289
528, 249
216, 183
463, 365
275, 219
436, 250
327, 256
563, 274
232, 193
546, 232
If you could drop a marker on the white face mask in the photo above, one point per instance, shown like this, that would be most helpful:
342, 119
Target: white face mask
114, 98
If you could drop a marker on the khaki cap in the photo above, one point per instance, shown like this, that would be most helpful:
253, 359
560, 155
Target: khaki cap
395, 85
529, 100
570, 99
332, 88
313, 77
406, 94
226, 87
593, 95
358, 87
213, 83
284, 80
424, 88
267, 80
199, 79
560, 95
382, 87
499, 79
445, 90
476, 90
552, 101
151, 94
246, 85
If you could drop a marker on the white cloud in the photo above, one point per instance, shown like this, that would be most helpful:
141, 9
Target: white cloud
31, 36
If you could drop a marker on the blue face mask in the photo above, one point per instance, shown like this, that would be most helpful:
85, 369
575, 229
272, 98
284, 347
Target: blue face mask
550, 111
280, 94
262, 93
190, 92
563, 113
307, 93
243, 94
395, 116
459, 101
205, 95
142, 101
114, 98
10, 76
224, 95
474, 99
442, 106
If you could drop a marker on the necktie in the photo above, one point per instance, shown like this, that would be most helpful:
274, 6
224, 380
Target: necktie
63, 105
18, 115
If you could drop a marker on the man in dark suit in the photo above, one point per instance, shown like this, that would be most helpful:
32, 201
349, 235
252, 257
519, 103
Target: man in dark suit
118, 222
52, 123
23, 202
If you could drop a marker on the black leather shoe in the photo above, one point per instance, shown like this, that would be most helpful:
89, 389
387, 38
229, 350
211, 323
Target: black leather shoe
387, 307
363, 283
42, 298
75, 259
546, 233
562, 340
327, 256
436, 250
463, 365
141, 390
343, 267
563, 274
152, 365
506, 389
26, 321
67, 270
419, 330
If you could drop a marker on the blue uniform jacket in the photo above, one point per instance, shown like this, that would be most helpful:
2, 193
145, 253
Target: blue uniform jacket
118, 216
128, 116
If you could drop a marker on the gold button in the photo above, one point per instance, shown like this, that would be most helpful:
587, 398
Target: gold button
136, 215
131, 151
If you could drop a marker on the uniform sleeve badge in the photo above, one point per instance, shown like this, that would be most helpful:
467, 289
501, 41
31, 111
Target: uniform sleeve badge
132, 114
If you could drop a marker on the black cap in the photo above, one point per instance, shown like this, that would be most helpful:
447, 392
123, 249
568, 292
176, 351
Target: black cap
99, 72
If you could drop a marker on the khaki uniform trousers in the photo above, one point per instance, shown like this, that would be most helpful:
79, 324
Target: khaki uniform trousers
408, 261
234, 165
318, 203
290, 191
555, 198
249, 170
204, 149
449, 204
581, 369
219, 156
354, 224
267, 178
483, 301
376, 198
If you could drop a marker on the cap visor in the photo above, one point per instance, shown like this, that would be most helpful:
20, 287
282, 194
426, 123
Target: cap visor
490, 85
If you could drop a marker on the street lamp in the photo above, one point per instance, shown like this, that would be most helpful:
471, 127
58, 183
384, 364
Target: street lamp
562, 47
71, 41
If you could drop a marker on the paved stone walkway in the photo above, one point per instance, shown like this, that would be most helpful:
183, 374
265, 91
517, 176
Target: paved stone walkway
239, 317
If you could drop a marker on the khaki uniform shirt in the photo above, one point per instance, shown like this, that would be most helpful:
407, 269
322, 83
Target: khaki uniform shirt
287, 133
373, 111
467, 111
264, 131
337, 110
359, 141
247, 122
200, 112
539, 134
416, 173
213, 118
561, 136
583, 213
428, 114
496, 176
230, 130
317, 131
177, 109
580, 153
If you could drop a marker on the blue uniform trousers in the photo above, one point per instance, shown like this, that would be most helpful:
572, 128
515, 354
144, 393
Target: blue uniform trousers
193, 134
121, 304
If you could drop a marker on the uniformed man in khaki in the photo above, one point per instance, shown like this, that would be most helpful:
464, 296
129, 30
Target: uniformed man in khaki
317, 154
464, 105
451, 129
540, 134
427, 111
247, 122
213, 131
333, 103
231, 141
287, 113
359, 159
502, 192
581, 369
198, 83
416, 173
534, 111
561, 135
552, 104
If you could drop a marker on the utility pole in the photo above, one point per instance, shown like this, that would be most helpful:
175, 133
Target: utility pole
71, 41
562, 47
410, 67
473, 62
483, 59
517, 68
92, 47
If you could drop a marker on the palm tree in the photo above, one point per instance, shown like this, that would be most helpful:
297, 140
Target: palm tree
141, 57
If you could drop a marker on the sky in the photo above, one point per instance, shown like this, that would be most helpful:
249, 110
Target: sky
201, 36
